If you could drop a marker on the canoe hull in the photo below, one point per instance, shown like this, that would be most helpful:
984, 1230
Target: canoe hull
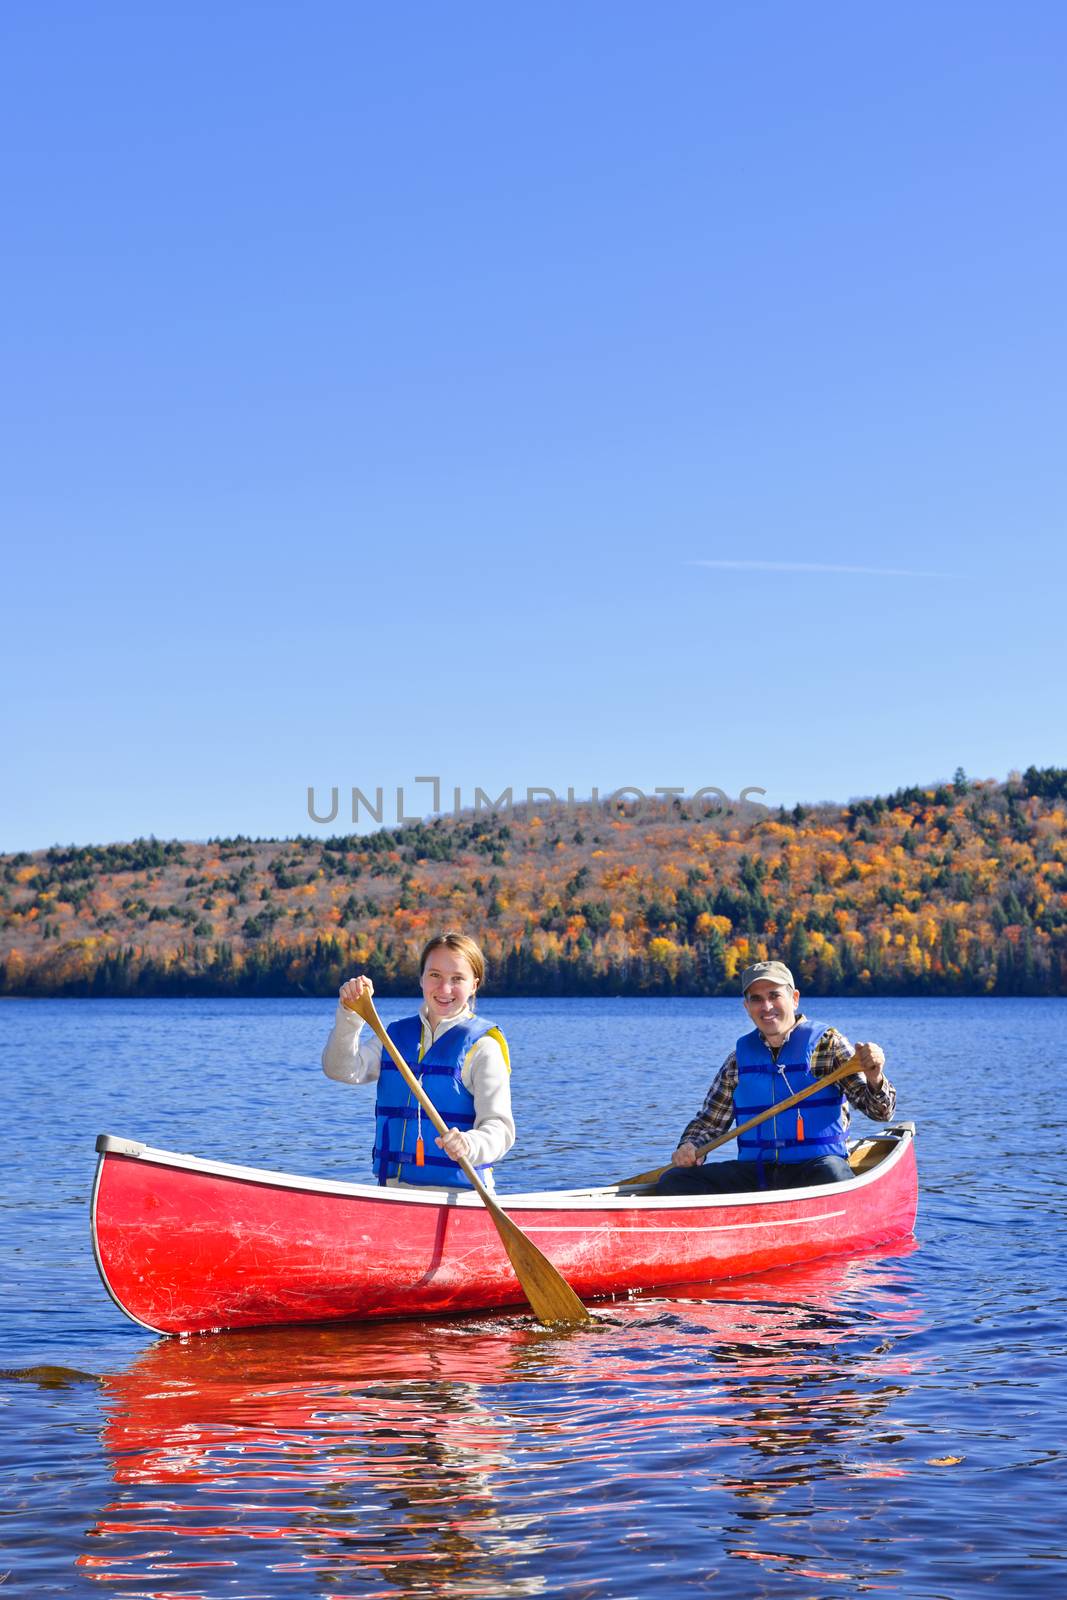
189, 1246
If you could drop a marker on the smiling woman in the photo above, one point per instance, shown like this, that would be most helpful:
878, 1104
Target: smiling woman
461, 1061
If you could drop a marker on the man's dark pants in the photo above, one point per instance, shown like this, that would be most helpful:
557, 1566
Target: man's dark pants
736, 1177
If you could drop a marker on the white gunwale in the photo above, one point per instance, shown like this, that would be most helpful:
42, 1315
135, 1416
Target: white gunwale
606, 1198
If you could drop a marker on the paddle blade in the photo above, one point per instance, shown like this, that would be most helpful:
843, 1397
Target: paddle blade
552, 1300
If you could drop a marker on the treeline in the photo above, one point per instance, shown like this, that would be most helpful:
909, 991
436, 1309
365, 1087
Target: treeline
958, 888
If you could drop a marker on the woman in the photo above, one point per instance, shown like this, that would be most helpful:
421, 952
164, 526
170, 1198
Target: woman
461, 1061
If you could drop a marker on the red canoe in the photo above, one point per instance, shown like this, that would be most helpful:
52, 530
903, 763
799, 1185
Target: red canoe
190, 1246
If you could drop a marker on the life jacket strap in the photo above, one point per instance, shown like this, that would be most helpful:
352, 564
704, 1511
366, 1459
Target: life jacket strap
410, 1113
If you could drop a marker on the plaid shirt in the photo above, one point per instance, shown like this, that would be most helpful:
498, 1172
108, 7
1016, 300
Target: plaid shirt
832, 1050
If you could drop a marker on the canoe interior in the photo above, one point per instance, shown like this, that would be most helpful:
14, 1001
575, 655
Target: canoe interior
867, 1153
863, 1156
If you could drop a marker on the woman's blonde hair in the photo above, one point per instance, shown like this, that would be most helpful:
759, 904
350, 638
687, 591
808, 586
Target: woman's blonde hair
461, 944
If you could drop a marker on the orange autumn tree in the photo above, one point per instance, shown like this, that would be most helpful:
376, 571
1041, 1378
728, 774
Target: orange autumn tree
954, 888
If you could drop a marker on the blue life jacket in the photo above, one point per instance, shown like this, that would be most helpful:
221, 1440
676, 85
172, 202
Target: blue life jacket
761, 1084
397, 1112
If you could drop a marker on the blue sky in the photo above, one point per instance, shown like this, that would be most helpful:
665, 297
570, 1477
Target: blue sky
546, 395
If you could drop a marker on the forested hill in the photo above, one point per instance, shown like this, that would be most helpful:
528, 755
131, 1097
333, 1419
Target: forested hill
960, 888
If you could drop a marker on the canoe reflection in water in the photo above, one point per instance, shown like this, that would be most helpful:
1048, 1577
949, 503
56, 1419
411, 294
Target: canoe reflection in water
331, 1449
493, 1458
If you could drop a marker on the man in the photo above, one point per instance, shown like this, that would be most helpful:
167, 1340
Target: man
783, 1053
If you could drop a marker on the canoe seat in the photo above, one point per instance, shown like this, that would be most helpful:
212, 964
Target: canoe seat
869, 1152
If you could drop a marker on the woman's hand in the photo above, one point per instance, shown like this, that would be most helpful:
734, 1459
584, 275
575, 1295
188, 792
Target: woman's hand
354, 989
455, 1144
685, 1156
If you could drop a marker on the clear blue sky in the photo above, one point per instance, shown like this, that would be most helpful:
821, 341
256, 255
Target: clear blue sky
528, 394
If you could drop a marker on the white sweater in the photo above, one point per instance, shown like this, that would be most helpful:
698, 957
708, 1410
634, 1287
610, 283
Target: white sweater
351, 1057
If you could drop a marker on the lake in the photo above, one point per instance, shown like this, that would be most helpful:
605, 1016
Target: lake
892, 1423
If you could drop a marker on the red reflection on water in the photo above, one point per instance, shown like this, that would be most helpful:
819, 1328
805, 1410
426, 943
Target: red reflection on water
398, 1448
774, 1558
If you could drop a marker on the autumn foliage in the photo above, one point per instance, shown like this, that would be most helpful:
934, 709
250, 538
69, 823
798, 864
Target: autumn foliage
959, 888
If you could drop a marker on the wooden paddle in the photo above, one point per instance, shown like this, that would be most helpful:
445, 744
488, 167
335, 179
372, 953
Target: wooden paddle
846, 1070
551, 1297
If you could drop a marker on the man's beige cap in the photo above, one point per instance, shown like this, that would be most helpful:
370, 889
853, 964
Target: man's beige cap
769, 971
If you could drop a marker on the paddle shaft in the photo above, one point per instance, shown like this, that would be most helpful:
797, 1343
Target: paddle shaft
846, 1070
551, 1297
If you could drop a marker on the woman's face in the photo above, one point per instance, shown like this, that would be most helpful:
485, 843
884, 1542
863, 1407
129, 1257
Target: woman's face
447, 983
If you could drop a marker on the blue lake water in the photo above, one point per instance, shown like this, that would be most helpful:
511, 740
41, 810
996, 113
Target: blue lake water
892, 1423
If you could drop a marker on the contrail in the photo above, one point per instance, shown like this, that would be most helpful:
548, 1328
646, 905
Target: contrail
816, 566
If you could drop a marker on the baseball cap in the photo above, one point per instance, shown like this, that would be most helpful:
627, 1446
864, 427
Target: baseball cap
769, 971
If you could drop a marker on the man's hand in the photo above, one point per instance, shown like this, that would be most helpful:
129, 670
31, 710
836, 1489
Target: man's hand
870, 1060
454, 1144
685, 1156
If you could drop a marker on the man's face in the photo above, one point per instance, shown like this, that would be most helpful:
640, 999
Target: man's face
772, 1007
